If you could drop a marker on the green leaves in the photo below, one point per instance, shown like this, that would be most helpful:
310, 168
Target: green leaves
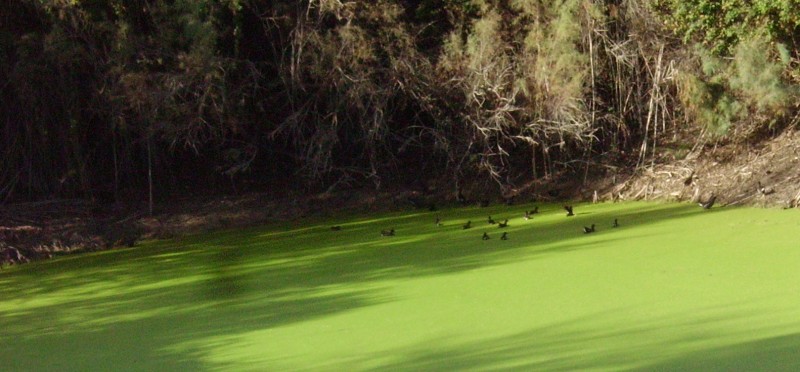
748, 89
722, 24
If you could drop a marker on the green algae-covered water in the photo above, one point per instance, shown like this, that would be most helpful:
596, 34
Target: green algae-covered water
674, 287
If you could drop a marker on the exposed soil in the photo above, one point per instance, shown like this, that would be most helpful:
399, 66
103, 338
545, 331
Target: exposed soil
732, 173
41, 230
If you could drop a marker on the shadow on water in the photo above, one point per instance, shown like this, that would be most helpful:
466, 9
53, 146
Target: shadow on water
130, 307
769, 354
579, 345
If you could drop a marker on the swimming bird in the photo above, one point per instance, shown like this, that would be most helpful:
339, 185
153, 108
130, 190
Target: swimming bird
491, 221
485, 236
336, 228
709, 203
504, 237
568, 208
389, 232
588, 230
503, 224
616, 224
467, 225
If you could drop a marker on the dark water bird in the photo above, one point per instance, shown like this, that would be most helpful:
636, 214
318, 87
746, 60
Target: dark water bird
336, 228
763, 190
503, 224
483, 203
438, 221
12, 256
461, 198
491, 221
568, 208
504, 236
616, 224
588, 230
535, 210
389, 232
130, 239
688, 181
708, 203
485, 236
467, 225
527, 215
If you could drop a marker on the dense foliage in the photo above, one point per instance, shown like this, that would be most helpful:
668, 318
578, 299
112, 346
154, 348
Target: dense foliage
108, 99
722, 24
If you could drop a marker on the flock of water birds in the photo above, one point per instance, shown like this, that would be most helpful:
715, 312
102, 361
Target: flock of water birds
500, 224
528, 215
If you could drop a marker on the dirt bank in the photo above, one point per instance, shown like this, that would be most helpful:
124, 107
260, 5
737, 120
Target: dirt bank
731, 172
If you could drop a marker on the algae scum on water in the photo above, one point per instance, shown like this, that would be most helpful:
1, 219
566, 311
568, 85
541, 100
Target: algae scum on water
673, 287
